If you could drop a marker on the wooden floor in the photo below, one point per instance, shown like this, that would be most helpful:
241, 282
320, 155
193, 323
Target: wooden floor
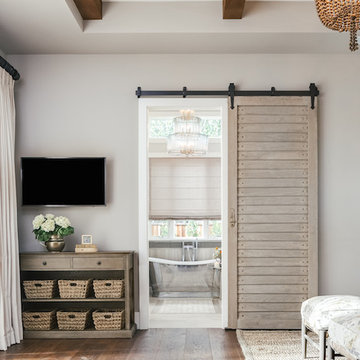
153, 344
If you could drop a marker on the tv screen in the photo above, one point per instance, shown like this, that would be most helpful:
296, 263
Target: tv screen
63, 181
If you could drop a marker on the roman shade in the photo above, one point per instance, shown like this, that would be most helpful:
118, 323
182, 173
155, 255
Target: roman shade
185, 188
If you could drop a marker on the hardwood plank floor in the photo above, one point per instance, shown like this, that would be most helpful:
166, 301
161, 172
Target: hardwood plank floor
153, 344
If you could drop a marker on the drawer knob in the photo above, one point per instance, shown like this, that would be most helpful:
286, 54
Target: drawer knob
99, 262
44, 263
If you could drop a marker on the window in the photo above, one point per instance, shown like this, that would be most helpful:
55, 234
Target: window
162, 128
189, 229
160, 229
184, 229
214, 229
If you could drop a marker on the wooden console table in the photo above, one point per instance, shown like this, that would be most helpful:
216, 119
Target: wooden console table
78, 266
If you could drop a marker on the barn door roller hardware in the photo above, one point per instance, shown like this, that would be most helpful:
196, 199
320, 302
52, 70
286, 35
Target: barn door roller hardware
231, 93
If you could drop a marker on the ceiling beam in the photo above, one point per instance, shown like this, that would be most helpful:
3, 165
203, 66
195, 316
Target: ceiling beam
89, 9
233, 9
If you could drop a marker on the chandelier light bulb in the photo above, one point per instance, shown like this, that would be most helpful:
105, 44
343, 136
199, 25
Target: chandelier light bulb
187, 138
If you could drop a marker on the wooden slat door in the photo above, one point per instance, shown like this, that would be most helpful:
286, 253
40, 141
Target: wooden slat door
272, 211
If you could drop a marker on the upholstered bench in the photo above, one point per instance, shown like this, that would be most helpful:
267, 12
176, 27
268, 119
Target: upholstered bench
316, 313
344, 336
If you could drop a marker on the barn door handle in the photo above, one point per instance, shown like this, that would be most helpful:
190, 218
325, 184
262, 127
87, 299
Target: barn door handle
232, 218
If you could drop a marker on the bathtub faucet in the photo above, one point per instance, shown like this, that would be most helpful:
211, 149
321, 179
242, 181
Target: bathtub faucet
188, 246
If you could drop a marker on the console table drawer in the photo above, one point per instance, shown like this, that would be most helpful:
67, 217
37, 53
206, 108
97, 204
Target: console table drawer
91, 263
45, 263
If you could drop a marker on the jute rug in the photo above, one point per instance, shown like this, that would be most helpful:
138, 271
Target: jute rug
273, 345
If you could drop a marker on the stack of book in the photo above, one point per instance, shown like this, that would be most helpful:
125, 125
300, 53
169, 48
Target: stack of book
86, 248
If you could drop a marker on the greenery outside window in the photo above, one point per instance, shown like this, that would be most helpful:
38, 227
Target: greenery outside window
162, 128
160, 229
214, 229
189, 229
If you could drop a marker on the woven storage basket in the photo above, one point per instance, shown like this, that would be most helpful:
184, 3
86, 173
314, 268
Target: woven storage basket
39, 289
109, 319
39, 320
109, 288
73, 320
78, 289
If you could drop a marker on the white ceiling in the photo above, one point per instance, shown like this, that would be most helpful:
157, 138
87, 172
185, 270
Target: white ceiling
54, 26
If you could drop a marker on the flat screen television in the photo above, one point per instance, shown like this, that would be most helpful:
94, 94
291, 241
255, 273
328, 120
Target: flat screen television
63, 181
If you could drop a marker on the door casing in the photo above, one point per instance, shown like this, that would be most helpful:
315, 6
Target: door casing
143, 198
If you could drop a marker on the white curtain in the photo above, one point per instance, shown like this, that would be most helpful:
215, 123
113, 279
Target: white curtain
10, 303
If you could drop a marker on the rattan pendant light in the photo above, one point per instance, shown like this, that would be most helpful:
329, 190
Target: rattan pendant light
341, 15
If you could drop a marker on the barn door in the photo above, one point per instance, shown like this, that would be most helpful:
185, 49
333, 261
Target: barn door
272, 211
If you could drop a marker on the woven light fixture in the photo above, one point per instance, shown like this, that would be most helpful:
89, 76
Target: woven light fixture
341, 15
187, 138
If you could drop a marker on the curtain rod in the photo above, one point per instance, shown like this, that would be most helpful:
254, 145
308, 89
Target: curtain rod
9, 69
231, 92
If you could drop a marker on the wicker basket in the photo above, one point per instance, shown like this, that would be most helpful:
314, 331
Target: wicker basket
39, 320
78, 289
73, 320
109, 288
109, 319
39, 289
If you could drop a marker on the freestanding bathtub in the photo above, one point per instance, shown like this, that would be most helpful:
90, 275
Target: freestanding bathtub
169, 278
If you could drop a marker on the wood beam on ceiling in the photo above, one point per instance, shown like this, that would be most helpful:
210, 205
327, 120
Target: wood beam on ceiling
89, 9
233, 9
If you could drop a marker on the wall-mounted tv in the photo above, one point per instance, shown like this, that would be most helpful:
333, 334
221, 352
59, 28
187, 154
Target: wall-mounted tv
63, 181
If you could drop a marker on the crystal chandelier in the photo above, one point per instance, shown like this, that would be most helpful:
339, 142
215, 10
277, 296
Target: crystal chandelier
187, 138
341, 15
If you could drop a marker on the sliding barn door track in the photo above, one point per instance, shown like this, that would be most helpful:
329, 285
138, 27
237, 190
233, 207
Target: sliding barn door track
231, 92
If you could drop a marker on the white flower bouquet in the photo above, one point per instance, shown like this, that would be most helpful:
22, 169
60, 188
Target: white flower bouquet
45, 226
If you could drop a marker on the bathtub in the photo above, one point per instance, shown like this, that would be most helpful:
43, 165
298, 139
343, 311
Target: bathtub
169, 278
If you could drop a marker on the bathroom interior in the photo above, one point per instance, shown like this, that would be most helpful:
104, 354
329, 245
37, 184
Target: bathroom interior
185, 228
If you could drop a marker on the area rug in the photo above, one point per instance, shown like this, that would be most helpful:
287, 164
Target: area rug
273, 345
183, 306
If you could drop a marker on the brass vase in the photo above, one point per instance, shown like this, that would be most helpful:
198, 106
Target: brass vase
55, 244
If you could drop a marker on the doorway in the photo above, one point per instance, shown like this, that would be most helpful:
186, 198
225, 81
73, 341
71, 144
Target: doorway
180, 239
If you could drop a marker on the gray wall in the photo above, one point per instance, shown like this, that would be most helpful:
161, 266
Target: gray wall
83, 105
